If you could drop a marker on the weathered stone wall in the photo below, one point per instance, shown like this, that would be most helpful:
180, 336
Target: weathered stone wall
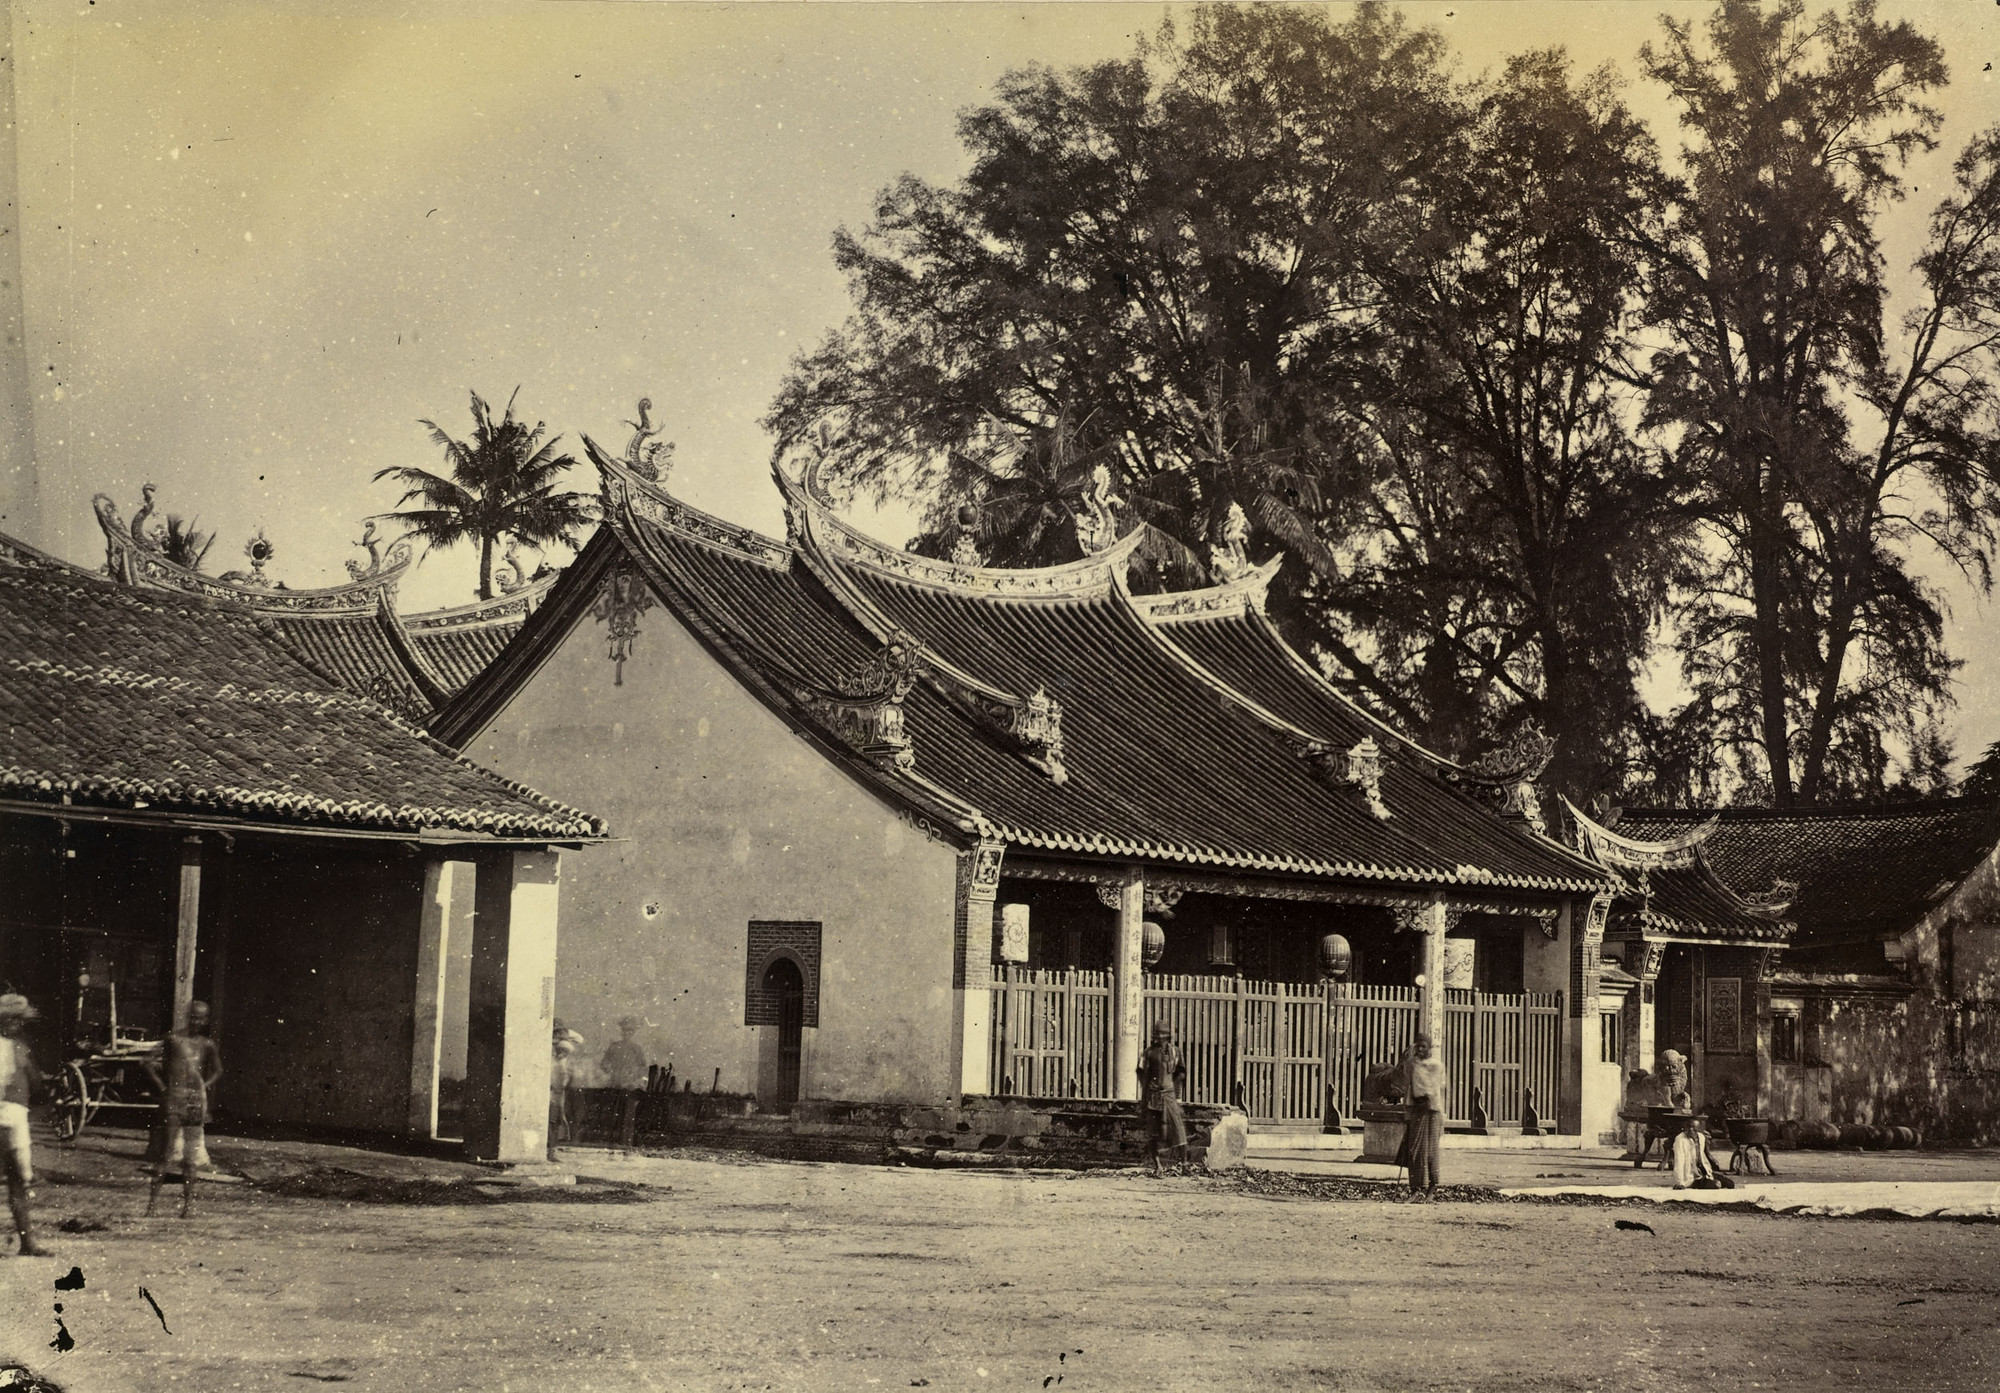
725, 816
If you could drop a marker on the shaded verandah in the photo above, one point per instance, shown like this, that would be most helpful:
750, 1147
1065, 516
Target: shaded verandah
1281, 1006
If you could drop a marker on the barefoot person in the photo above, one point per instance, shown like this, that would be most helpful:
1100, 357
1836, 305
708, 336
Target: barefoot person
1423, 1082
17, 1076
1162, 1076
192, 1063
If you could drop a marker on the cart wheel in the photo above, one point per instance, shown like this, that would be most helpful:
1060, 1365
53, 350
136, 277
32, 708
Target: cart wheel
71, 1103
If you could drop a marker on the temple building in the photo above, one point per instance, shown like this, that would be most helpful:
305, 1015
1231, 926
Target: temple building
896, 829
192, 807
1884, 1008
1689, 966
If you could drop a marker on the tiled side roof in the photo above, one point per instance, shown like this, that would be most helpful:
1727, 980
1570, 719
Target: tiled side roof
128, 697
1877, 868
1689, 902
459, 655
354, 650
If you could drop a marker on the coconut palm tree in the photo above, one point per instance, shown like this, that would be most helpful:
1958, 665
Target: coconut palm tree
502, 484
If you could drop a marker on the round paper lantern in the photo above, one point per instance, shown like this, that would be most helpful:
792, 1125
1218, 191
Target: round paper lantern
1152, 943
1335, 957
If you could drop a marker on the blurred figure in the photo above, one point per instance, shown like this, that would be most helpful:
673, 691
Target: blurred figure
624, 1063
1162, 1076
18, 1076
562, 1049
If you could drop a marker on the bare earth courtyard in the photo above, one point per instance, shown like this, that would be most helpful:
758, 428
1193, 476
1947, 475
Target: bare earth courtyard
334, 1266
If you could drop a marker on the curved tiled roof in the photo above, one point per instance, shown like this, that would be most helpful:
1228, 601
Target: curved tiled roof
1875, 868
150, 698
1162, 761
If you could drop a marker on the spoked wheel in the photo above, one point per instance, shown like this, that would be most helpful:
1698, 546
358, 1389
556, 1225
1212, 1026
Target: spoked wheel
71, 1103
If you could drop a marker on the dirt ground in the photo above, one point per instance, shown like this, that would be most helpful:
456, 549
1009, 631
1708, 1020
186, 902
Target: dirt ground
724, 1273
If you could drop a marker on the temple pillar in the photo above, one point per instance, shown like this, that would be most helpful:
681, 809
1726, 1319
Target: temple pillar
1128, 987
186, 924
1643, 960
972, 965
1584, 1086
510, 1017
428, 995
1431, 921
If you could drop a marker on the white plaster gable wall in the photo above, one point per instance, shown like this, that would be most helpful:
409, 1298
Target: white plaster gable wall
724, 815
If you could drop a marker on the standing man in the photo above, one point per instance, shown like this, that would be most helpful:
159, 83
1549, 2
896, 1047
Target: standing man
624, 1063
17, 1076
1162, 1076
192, 1063
1424, 1085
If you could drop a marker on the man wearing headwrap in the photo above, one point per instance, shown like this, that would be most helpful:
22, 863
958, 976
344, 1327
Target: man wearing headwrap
17, 1075
1422, 1077
1162, 1076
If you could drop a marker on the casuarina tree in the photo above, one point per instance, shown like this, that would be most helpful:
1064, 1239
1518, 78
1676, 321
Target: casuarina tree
502, 482
1832, 447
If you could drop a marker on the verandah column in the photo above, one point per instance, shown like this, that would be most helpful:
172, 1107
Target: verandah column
510, 1017
972, 964
1128, 987
186, 925
433, 956
1431, 920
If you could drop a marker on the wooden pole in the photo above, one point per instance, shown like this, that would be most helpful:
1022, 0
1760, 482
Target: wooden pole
186, 925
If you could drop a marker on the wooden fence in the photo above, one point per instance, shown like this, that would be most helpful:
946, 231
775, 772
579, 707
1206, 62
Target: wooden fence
1286, 1052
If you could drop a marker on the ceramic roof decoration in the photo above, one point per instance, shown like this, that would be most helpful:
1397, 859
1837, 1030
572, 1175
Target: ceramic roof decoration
1044, 708
183, 703
352, 632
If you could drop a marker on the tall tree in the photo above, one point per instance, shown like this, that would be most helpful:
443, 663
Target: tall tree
1285, 263
1517, 542
503, 483
1829, 447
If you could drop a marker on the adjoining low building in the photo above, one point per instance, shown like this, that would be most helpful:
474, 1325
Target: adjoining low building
903, 830
1885, 1007
1693, 962
188, 806
352, 633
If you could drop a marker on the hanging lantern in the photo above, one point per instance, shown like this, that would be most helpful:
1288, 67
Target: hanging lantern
1335, 957
1152, 943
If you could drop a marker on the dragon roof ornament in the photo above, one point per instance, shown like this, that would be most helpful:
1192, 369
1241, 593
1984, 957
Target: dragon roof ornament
1608, 848
815, 526
1243, 594
865, 708
132, 555
623, 491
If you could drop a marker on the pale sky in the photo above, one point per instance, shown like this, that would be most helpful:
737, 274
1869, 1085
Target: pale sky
259, 241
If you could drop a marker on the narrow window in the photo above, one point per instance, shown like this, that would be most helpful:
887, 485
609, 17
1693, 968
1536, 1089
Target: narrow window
1608, 1036
1785, 1037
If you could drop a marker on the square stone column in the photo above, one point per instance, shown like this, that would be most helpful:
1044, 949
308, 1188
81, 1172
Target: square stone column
1128, 985
510, 1017
1582, 922
187, 921
972, 965
427, 999
1432, 921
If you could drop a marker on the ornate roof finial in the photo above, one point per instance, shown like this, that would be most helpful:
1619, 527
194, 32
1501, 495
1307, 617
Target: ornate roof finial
139, 533
865, 709
653, 461
965, 551
1231, 560
1096, 524
260, 551
511, 577
355, 569
1364, 771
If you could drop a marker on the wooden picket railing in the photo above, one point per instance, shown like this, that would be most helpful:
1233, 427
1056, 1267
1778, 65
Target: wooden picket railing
1286, 1052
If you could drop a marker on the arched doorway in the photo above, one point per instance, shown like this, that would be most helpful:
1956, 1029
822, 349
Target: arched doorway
785, 986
